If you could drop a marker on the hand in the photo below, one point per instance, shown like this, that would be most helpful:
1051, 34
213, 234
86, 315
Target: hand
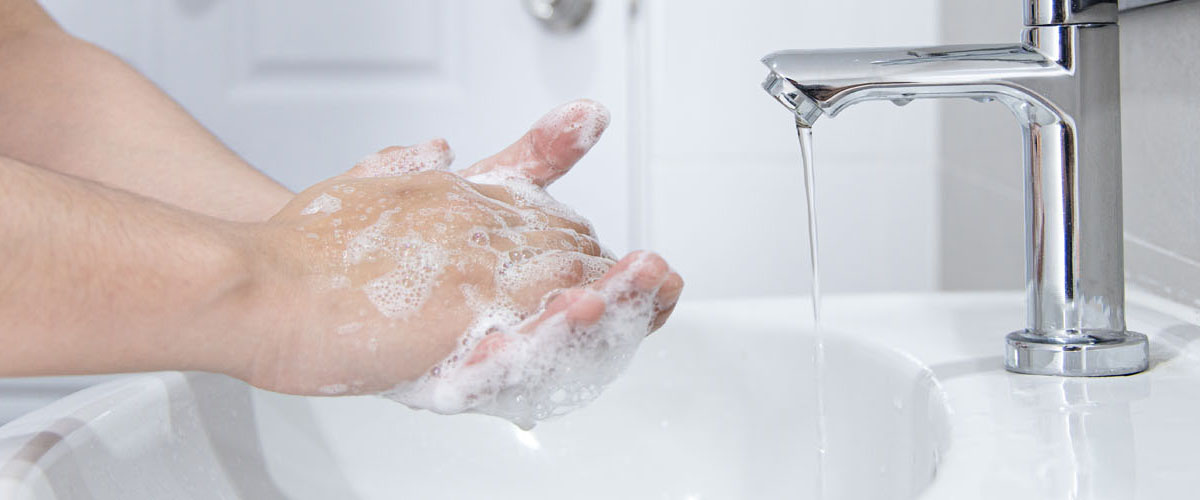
401, 277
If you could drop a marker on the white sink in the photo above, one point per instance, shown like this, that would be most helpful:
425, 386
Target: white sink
725, 403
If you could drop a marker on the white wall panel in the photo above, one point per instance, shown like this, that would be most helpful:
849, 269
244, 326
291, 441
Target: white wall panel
725, 198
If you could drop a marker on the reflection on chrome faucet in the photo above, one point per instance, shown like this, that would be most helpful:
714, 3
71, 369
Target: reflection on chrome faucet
1062, 84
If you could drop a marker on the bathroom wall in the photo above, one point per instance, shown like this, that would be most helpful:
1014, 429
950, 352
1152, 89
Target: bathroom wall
1160, 81
304, 88
981, 180
720, 163
981, 219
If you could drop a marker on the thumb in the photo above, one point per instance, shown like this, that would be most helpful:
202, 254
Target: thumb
551, 147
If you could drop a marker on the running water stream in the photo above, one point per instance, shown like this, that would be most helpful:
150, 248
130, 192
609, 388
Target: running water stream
804, 132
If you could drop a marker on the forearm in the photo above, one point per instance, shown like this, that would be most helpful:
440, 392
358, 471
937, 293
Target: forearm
71, 107
96, 280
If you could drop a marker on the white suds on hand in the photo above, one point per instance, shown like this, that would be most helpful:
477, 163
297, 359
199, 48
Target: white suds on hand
532, 367
549, 371
590, 118
418, 265
324, 204
555, 367
432, 155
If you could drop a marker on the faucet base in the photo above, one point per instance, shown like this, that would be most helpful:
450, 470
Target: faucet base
1039, 355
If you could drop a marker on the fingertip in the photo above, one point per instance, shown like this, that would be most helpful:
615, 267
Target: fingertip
668, 296
585, 115
651, 271
671, 289
551, 146
562, 136
661, 318
444, 154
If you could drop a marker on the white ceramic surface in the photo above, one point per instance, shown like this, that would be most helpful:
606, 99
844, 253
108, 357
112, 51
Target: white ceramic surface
723, 403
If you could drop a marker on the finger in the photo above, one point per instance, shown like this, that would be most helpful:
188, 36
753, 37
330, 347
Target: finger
400, 160
639, 271
539, 212
496, 192
485, 211
551, 147
580, 308
639, 274
668, 296
529, 279
558, 239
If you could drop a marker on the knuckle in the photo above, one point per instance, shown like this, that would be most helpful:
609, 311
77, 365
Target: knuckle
573, 271
438, 178
592, 246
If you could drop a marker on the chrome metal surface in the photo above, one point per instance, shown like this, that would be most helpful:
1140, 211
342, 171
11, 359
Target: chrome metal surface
1055, 12
559, 15
1039, 355
1062, 84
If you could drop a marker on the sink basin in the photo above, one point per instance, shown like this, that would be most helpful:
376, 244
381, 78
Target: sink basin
725, 402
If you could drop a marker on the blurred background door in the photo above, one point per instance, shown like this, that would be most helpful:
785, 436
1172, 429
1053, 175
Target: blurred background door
304, 88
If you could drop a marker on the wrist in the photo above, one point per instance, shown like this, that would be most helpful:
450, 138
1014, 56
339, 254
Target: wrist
257, 309
230, 328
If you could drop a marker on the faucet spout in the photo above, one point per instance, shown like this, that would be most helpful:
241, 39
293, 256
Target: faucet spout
1062, 85
1024, 76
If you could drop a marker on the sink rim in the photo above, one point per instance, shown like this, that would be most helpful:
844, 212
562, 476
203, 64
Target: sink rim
960, 370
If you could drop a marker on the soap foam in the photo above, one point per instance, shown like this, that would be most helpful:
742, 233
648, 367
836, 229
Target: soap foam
324, 204
432, 155
589, 118
405, 288
548, 371
544, 369
526, 193
418, 265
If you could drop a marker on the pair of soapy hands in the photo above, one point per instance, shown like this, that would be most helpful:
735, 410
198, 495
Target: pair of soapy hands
398, 257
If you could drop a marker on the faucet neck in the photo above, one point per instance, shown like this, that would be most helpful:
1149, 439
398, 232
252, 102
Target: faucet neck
1063, 86
1060, 12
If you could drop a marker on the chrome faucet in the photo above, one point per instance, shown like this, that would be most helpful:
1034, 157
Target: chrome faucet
1063, 85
